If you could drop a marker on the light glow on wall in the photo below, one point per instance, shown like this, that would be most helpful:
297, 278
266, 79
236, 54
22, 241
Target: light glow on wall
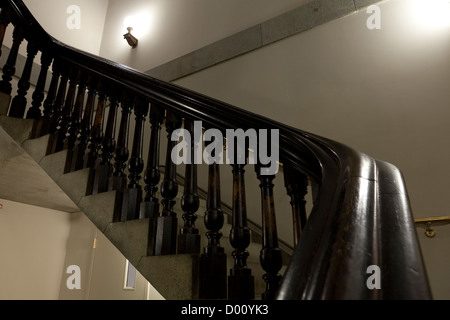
431, 15
140, 22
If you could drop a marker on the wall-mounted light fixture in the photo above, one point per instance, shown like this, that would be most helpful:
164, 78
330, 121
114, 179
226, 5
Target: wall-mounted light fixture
132, 41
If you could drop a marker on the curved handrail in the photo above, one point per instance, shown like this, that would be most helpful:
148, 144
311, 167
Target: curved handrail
361, 215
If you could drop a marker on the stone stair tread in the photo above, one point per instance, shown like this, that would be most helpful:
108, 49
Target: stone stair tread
171, 275
18, 129
36, 148
54, 164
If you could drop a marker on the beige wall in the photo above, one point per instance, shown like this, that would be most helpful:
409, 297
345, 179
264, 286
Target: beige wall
52, 16
79, 252
102, 268
383, 92
393, 82
32, 249
37, 245
437, 260
177, 27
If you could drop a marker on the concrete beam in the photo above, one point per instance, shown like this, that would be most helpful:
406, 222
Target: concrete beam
303, 18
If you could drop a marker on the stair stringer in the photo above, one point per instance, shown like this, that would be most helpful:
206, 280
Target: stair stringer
174, 276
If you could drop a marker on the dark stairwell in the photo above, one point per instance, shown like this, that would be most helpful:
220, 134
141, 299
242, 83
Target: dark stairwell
87, 132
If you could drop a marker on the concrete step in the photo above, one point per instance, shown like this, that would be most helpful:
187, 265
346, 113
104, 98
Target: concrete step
18, 129
100, 207
172, 275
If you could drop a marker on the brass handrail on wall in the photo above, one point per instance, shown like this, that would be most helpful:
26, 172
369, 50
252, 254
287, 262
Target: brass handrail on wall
360, 219
427, 223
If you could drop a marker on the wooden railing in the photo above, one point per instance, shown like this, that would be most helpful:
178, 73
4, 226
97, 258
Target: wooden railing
360, 218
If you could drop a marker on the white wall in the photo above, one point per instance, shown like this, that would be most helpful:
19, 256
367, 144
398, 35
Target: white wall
383, 92
173, 28
437, 260
32, 249
102, 269
52, 16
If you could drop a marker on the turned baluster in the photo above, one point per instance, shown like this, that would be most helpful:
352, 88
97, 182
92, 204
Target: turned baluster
270, 256
150, 205
19, 102
64, 117
132, 196
213, 261
296, 184
118, 180
5, 20
240, 280
103, 170
9, 68
38, 95
81, 144
166, 226
57, 109
189, 238
74, 122
96, 134
43, 126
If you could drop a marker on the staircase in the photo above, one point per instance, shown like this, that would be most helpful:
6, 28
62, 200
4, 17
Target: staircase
131, 237
87, 131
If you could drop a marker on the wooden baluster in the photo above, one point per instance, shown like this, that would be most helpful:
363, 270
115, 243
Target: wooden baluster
9, 68
57, 107
296, 184
74, 120
118, 180
74, 124
103, 170
5, 20
167, 223
213, 261
63, 120
270, 256
81, 144
96, 134
43, 126
38, 95
132, 196
150, 205
189, 238
240, 281
19, 103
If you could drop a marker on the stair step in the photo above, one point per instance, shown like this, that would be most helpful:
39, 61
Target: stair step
5, 101
54, 164
18, 129
74, 183
180, 270
171, 275
36, 148
100, 208
130, 237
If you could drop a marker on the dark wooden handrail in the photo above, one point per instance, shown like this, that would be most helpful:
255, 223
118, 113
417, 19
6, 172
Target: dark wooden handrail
361, 214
